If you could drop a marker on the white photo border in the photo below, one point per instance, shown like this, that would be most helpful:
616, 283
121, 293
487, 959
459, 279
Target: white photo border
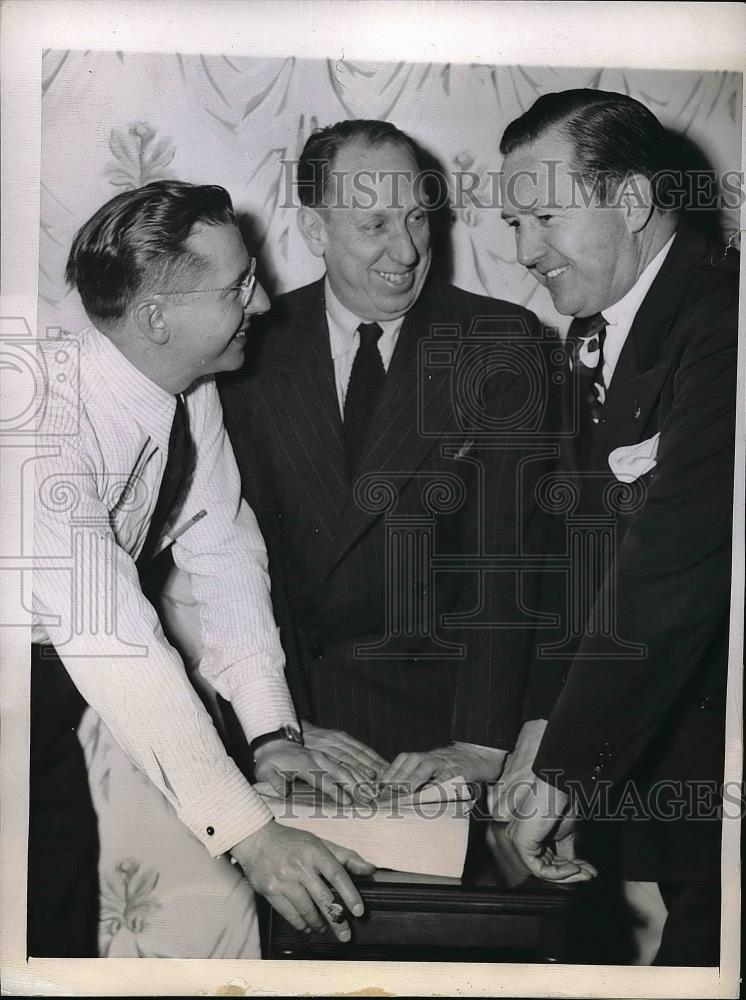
705, 36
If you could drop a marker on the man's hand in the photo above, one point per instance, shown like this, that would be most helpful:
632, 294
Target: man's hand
360, 759
299, 874
545, 838
281, 762
505, 797
473, 763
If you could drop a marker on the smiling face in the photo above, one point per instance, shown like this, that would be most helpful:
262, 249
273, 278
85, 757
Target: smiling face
374, 235
208, 328
586, 254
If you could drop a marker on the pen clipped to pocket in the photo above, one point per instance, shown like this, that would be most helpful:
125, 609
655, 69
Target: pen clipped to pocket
168, 540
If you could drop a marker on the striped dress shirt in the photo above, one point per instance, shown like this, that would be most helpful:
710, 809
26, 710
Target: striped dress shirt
102, 443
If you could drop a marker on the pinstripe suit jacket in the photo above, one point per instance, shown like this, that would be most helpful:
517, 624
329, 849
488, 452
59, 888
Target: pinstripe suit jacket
395, 627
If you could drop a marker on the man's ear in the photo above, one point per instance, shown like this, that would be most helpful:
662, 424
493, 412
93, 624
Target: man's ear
635, 197
313, 229
151, 321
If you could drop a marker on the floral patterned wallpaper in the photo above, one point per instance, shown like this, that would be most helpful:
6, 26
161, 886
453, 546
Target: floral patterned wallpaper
116, 120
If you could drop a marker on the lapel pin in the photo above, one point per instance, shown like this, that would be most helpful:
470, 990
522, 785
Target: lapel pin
637, 411
465, 448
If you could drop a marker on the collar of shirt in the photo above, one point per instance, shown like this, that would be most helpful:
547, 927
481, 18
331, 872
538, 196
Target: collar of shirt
620, 316
343, 324
147, 403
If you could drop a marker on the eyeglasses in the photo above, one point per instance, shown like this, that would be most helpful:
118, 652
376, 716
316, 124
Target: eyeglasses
246, 287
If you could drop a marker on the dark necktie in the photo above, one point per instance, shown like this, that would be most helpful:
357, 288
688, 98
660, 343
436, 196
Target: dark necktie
176, 477
363, 393
586, 338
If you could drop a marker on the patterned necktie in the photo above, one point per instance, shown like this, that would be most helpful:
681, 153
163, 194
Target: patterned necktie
586, 338
177, 474
363, 393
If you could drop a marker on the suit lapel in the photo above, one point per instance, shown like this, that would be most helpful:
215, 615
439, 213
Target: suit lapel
304, 397
641, 371
658, 311
415, 411
630, 402
570, 401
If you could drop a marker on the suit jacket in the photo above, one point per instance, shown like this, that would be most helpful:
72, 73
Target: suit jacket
642, 713
395, 627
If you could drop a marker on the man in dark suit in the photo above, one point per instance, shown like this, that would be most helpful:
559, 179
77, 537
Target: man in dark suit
636, 697
388, 437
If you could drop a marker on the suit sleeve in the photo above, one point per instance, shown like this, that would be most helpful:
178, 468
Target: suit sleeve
670, 580
547, 595
491, 687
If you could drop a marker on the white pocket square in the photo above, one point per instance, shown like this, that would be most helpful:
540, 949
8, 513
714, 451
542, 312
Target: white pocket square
465, 448
631, 461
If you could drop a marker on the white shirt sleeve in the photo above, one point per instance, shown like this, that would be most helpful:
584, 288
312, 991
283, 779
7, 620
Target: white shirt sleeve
225, 555
88, 600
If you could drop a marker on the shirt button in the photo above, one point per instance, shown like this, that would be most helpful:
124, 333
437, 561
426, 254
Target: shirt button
210, 831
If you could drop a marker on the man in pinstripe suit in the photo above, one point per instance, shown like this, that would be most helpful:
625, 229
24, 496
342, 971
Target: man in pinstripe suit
358, 505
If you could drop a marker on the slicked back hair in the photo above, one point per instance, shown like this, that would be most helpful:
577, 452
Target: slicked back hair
137, 243
316, 162
612, 135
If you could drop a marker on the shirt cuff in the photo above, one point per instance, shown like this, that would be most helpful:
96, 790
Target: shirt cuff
225, 814
262, 705
529, 738
254, 683
518, 776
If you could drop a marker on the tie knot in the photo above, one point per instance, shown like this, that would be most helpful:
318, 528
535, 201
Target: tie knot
180, 413
369, 334
583, 327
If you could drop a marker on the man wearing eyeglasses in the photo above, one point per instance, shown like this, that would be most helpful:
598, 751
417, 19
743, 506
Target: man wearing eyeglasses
133, 454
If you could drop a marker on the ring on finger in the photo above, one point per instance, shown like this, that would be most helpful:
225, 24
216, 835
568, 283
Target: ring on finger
335, 912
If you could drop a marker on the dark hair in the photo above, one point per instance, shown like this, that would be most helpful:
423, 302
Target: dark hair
317, 159
137, 242
612, 135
